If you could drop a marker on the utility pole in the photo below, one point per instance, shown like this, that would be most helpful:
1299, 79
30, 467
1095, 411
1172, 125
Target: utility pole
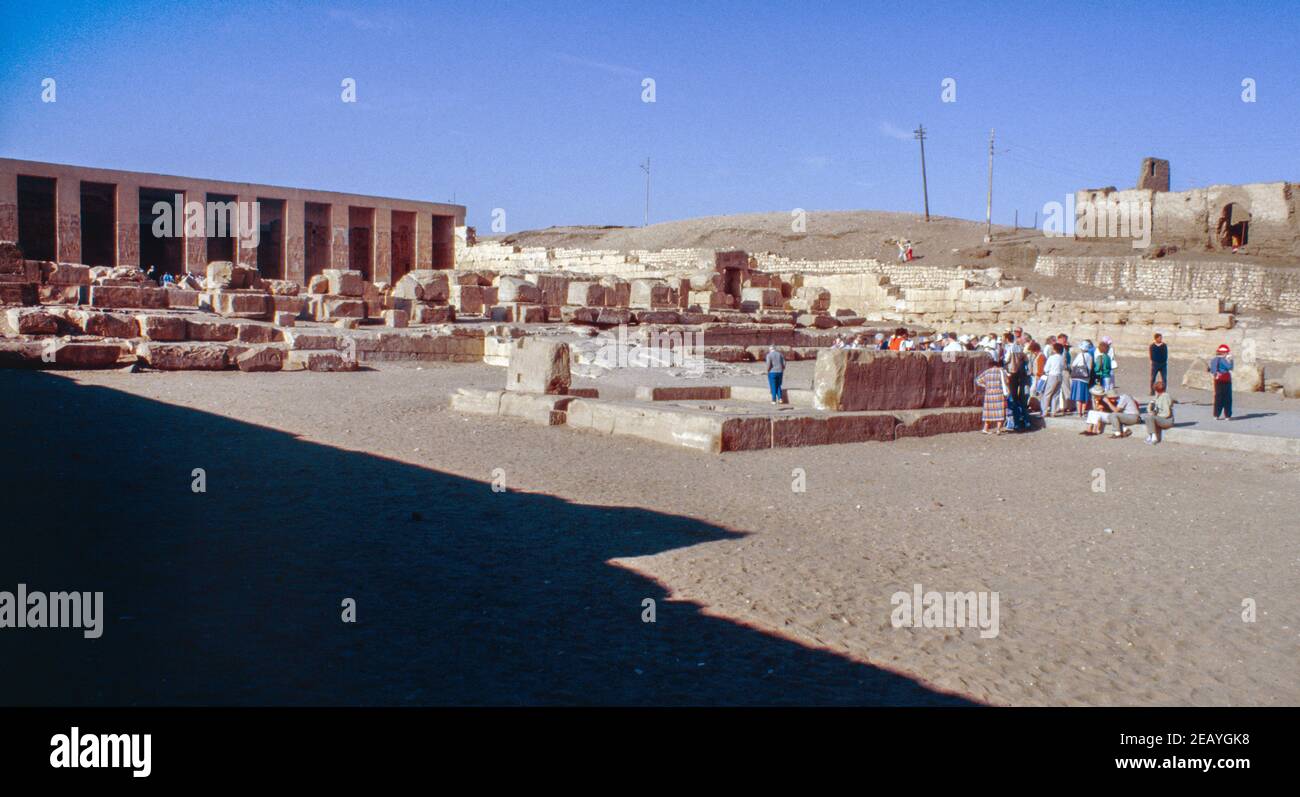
925, 189
988, 211
645, 167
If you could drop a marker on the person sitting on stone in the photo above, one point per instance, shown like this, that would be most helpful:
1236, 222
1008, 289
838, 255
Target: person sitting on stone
1124, 411
1099, 412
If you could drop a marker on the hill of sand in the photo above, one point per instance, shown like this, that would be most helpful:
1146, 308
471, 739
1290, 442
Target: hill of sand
848, 234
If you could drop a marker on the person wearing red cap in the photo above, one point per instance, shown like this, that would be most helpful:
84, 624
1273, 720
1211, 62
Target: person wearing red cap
1220, 369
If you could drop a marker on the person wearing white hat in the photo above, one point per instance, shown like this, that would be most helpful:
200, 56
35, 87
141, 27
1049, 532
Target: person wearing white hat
1099, 415
1124, 412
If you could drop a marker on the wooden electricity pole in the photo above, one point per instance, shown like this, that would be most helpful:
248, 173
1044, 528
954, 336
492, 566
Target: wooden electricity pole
925, 189
645, 167
988, 211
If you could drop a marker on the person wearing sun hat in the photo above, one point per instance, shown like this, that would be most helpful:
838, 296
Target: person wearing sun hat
1124, 412
1099, 415
1220, 368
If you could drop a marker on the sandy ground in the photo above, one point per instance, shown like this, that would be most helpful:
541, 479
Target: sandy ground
321, 485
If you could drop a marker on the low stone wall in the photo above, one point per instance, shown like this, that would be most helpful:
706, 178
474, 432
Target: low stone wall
1250, 286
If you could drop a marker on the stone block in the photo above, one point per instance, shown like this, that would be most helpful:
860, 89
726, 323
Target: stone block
114, 296
105, 325
318, 360
538, 366
514, 290
65, 274
183, 356
261, 358
397, 319
165, 328
31, 321
211, 330
848, 380
423, 285
344, 282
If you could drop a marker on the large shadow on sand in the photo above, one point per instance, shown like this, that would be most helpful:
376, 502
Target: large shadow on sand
464, 596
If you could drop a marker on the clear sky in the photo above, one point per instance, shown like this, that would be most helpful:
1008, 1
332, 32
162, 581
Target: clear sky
537, 108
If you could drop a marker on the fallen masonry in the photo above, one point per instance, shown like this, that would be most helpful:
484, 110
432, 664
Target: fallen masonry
926, 396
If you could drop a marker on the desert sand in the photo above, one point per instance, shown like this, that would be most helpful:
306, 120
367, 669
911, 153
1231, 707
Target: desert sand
321, 486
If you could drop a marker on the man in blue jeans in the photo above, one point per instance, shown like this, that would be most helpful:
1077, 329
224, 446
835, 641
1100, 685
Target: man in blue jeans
1159, 353
775, 372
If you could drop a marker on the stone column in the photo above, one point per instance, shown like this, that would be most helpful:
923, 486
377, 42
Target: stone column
382, 236
339, 236
295, 248
128, 224
67, 212
195, 254
8, 206
245, 246
423, 240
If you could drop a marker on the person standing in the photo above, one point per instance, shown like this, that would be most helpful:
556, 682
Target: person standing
1160, 414
1053, 370
775, 372
1220, 369
1104, 366
993, 381
1015, 363
1159, 353
1081, 379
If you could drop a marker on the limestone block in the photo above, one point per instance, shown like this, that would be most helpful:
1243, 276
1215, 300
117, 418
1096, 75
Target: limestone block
538, 366
114, 296
851, 379
424, 285
65, 274
261, 358
183, 356
200, 329
107, 325
1291, 382
396, 319
24, 321
586, 294
345, 282
512, 290
1246, 377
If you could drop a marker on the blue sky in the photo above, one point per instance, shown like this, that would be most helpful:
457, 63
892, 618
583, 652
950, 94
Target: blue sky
537, 108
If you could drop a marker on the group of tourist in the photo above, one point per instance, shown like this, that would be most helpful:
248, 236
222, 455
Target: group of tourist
1025, 372
1054, 378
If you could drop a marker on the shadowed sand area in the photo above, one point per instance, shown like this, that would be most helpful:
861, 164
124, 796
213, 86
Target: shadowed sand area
464, 596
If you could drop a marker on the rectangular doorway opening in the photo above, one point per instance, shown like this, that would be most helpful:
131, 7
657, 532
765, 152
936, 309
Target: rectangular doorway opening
220, 226
270, 238
162, 246
98, 224
403, 243
315, 239
444, 241
37, 230
361, 236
